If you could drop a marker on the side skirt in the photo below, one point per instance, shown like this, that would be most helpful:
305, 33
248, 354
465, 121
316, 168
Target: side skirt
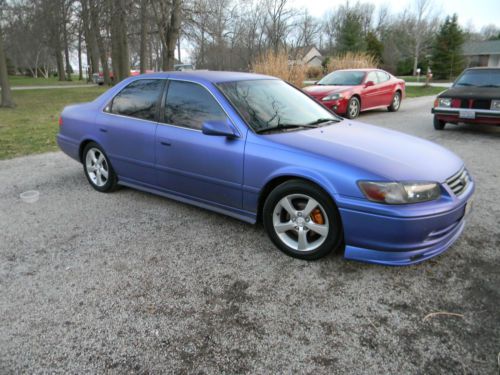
242, 215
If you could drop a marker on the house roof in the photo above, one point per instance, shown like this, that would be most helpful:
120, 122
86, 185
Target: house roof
489, 47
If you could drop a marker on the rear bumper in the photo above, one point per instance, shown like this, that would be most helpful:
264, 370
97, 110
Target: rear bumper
68, 146
402, 240
481, 116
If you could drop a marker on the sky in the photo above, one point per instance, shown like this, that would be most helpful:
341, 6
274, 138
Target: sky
477, 13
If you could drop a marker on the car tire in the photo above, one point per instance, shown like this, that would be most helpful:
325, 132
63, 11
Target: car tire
97, 168
302, 220
353, 108
395, 103
439, 124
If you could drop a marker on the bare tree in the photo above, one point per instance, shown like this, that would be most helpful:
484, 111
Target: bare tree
168, 20
424, 20
119, 42
4, 78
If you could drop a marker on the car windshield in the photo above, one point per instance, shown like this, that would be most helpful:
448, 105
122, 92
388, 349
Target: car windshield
480, 77
343, 78
268, 105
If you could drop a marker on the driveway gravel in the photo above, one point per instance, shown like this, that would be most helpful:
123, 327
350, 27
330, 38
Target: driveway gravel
133, 283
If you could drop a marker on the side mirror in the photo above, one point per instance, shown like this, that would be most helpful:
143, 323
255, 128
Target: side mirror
218, 127
369, 83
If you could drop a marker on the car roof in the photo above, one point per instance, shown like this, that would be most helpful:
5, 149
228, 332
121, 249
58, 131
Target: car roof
483, 68
359, 69
208, 76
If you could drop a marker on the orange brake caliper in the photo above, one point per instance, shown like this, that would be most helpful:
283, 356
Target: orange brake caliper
317, 216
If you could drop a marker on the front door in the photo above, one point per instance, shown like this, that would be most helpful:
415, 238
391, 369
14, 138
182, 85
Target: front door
204, 167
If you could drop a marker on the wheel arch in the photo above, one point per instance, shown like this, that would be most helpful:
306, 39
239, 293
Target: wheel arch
82, 146
280, 178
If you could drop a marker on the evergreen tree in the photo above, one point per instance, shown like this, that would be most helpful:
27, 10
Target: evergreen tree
374, 46
447, 58
350, 35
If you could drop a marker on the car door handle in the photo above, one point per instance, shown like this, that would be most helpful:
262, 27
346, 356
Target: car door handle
103, 130
165, 143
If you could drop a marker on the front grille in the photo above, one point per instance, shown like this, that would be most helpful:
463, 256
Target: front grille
459, 181
481, 104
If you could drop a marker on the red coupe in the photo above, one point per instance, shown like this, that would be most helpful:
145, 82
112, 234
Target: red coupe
348, 92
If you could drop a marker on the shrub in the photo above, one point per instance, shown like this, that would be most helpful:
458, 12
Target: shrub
351, 60
278, 65
314, 72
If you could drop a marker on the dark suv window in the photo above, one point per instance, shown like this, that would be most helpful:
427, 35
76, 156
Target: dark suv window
190, 105
139, 99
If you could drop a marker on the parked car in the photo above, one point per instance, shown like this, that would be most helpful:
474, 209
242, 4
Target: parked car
473, 98
348, 92
183, 67
256, 148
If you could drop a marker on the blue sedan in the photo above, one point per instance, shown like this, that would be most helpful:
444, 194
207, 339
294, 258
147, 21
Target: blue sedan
257, 149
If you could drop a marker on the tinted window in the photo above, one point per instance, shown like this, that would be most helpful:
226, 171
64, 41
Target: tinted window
480, 77
382, 76
190, 105
343, 78
372, 76
139, 99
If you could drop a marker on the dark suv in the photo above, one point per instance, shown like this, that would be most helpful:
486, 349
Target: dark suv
473, 98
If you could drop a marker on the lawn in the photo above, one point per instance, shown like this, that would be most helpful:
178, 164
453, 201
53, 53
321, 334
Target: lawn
415, 91
31, 127
51, 81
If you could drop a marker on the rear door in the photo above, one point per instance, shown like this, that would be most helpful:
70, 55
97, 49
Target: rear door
127, 128
190, 163
387, 88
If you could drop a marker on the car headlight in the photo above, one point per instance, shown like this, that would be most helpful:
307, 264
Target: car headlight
495, 105
400, 192
444, 102
332, 97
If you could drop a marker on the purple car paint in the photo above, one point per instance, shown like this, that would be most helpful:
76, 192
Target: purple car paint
229, 166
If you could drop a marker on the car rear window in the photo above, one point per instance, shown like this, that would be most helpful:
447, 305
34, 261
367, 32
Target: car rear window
479, 77
139, 99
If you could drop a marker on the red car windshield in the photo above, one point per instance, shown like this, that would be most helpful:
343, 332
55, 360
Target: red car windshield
343, 78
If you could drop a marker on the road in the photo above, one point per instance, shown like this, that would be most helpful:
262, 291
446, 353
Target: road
132, 283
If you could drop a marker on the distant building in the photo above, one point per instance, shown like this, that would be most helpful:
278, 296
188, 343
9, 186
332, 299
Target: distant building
485, 53
308, 55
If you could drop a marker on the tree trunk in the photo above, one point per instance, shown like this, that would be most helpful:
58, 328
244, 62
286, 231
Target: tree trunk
90, 38
4, 78
119, 43
66, 53
94, 21
60, 62
172, 34
144, 31
80, 70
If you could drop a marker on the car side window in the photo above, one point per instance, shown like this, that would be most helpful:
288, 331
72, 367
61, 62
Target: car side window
383, 76
139, 99
372, 76
189, 105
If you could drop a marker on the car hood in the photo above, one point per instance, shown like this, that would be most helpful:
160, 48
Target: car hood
472, 92
321, 91
389, 154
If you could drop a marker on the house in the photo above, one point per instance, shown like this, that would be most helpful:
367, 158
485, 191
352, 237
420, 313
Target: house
485, 53
308, 55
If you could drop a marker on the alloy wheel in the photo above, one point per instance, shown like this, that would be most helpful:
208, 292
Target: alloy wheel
300, 222
97, 167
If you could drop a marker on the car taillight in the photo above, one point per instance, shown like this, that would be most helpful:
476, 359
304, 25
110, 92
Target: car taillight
60, 121
436, 103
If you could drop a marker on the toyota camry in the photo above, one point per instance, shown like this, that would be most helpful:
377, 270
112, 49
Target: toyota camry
258, 149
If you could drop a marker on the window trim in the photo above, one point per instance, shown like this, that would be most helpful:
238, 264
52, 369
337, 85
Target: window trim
161, 119
110, 102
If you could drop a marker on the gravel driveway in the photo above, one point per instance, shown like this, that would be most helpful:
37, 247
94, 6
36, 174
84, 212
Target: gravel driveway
132, 283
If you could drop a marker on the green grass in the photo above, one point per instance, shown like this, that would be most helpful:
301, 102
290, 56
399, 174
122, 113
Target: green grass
416, 91
32, 125
51, 81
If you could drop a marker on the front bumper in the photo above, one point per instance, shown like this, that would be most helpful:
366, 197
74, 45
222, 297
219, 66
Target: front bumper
404, 239
338, 106
479, 116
